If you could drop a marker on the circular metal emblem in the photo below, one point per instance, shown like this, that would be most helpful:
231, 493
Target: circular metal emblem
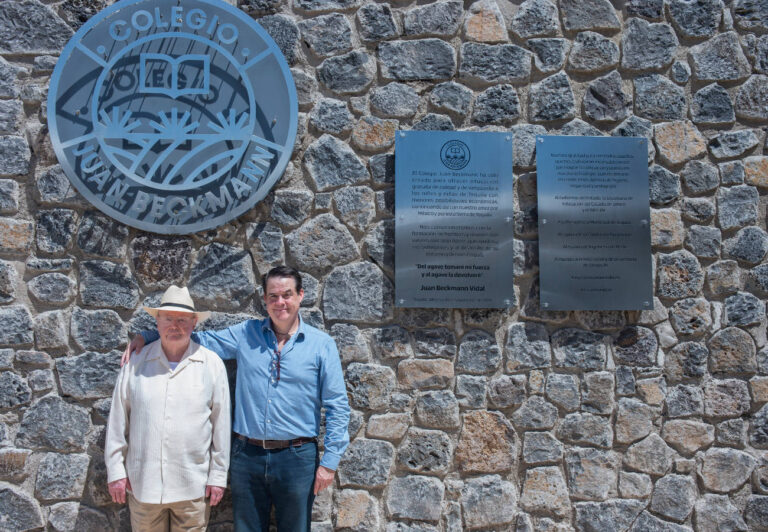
172, 117
454, 154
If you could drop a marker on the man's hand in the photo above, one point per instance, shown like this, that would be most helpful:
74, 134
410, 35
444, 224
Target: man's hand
118, 488
323, 478
215, 493
136, 345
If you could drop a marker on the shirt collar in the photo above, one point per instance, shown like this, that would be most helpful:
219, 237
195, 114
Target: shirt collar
192, 353
266, 327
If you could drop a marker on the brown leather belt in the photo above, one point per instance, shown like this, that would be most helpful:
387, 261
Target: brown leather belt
276, 444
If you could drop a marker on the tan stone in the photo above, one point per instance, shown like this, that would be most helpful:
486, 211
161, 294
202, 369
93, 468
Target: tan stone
544, 491
756, 170
374, 134
536, 381
16, 235
679, 141
485, 23
488, 443
390, 427
652, 391
425, 373
356, 510
667, 229
758, 386
688, 436
13, 462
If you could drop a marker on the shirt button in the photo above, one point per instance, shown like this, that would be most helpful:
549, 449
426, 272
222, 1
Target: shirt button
269, 421
269, 401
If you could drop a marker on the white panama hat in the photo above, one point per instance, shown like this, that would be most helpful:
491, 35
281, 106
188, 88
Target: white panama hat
177, 299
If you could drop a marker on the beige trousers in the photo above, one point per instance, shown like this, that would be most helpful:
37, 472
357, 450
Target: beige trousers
173, 517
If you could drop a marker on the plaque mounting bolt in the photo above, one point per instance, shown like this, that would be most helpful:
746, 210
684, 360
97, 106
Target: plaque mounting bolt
401, 301
507, 302
541, 140
508, 219
646, 303
508, 138
402, 133
546, 305
544, 221
643, 222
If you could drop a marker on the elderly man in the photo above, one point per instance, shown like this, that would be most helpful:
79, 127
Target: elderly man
287, 371
168, 436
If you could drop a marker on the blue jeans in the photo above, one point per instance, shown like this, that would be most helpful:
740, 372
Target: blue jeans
261, 478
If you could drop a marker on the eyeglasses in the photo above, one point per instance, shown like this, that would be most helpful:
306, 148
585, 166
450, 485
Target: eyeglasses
168, 320
274, 367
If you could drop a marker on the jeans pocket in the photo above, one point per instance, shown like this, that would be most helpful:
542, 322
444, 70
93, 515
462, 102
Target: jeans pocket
237, 447
306, 453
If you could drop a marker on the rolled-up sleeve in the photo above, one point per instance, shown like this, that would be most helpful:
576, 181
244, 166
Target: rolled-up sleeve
221, 422
116, 441
333, 393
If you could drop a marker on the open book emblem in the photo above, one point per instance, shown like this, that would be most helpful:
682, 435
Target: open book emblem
174, 76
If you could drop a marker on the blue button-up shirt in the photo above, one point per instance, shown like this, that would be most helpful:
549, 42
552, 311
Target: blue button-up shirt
311, 377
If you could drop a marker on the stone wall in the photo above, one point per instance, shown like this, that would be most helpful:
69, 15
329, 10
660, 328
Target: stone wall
524, 420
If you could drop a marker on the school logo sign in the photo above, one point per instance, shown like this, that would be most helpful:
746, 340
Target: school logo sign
172, 117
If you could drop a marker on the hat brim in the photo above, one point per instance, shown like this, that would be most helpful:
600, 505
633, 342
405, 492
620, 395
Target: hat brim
201, 316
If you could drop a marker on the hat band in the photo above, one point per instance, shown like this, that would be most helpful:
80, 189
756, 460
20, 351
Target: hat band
178, 305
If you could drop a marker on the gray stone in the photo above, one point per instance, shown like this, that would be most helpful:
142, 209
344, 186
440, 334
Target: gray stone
222, 277
30, 27
351, 343
605, 100
478, 353
380, 245
724, 470
724, 277
31, 358
551, 99
635, 126
615, 515
441, 19
541, 448
390, 342
11, 116
370, 386
99, 330
700, 177
8, 75
691, 317
732, 172
592, 52
680, 72
332, 163
425, 451
366, 463
684, 400
686, 360
695, 18
579, 128
625, 381
424, 59
395, 100
101, 236
657, 98
636, 346
549, 54
55, 229
703, 241
756, 513
712, 105
535, 414
90, 375
15, 325
350, 73
759, 54
160, 261
471, 391
496, 105
355, 206
743, 309
61, 476
331, 116
664, 185
731, 433
55, 424
41, 380
107, 284
319, 6
576, 348
320, 243
357, 292
19, 510
14, 390
647, 522
524, 144
291, 206
679, 275
415, 497
719, 59
306, 86
382, 168
597, 392
433, 122
592, 474
488, 502
699, 210
535, 18
650, 455
750, 14
8, 280
726, 398
749, 245
16, 156
634, 420
714, 513
588, 15
544, 491
326, 35
376, 23
674, 497
438, 409
507, 390
758, 429
452, 97
586, 429
563, 390
63, 516
53, 187
733, 143
434, 342
284, 32
9, 196
751, 97
494, 63
650, 9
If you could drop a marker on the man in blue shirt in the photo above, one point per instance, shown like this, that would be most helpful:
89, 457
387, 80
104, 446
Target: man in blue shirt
286, 372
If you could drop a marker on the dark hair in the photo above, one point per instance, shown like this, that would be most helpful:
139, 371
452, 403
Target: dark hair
282, 271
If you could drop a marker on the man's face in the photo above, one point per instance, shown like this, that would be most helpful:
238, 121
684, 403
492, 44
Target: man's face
282, 300
175, 326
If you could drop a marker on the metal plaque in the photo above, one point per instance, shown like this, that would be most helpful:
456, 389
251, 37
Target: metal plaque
594, 223
172, 117
454, 219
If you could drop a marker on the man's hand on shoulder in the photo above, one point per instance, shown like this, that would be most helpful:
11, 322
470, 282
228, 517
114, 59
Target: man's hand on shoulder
118, 488
215, 493
323, 478
136, 345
